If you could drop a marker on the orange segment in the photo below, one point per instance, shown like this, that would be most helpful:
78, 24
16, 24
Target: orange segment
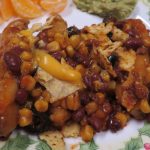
26, 8
7, 10
36, 1
53, 6
1, 19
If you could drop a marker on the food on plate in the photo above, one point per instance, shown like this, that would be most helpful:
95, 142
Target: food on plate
29, 9
64, 81
119, 9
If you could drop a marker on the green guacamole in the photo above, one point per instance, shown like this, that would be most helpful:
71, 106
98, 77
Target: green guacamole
119, 9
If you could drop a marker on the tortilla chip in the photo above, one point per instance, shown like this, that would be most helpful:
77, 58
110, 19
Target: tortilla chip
57, 88
71, 130
54, 139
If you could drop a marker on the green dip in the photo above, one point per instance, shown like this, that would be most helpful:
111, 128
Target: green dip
119, 9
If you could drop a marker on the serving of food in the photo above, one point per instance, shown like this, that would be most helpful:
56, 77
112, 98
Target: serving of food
59, 82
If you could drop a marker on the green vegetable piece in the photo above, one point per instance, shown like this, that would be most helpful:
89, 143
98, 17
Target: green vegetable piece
20, 142
133, 144
89, 146
145, 130
43, 146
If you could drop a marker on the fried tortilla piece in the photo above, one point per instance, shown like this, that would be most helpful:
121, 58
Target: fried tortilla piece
71, 130
126, 59
131, 92
57, 88
100, 28
58, 24
54, 139
119, 35
110, 48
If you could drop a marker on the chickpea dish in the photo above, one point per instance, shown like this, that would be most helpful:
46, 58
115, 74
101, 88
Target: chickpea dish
97, 77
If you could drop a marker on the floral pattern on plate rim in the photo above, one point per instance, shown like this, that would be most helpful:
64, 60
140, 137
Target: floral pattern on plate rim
22, 142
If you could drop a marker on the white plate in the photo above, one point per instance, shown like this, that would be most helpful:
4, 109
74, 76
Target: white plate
105, 140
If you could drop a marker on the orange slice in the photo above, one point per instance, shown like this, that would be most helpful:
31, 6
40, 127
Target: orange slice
6, 9
36, 1
53, 6
26, 8
1, 19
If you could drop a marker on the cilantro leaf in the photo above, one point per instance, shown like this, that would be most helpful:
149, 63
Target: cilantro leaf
145, 130
89, 146
42, 146
133, 144
20, 142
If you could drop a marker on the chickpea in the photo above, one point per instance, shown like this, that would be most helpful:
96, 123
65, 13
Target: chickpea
46, 95
28, 82
81, 69
98, 85
105, 75
100, 98
37, 92
112, 85
84, 36
25, 117
83, 49
59, 116
70, 50
144, 106
73, 102
75, 40
87, 133
96, 68
41, 105
123, 118
27, 56
26, 67
91, 108
53, 46
61, 39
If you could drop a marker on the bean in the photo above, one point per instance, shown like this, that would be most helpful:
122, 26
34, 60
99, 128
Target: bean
119, 24
73, 31
133, 43
84, 98
88, 81
13, 62
21, 96
107, 107
57, 55
96, 123
71, 62
78, 115
89, 78
114, 125
81, 59
132, 32
17, 50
